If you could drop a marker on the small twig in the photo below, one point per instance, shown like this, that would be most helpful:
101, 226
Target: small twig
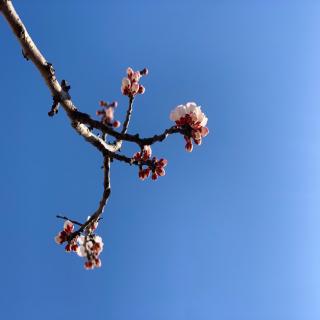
66, 218
54, 107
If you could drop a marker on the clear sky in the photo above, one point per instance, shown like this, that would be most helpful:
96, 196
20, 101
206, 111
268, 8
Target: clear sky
232, 231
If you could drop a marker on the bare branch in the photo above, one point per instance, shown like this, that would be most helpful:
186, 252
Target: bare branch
84, 118
48, 74
105, 197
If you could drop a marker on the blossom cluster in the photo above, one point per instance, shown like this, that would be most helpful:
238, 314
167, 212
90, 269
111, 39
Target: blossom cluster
65, 234
156, 166
88, 245
107, 113
130, 85
191, 118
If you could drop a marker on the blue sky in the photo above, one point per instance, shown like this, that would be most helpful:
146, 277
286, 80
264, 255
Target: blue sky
232, 231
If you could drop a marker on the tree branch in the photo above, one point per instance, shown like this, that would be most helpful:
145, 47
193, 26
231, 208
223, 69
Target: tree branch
86, 119
105, 197
48, 74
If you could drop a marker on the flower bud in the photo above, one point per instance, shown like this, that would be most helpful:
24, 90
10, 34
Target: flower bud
141, 89
116, 124
189, 146
129, 72
113, 104
144, 72
88, 265
103, 103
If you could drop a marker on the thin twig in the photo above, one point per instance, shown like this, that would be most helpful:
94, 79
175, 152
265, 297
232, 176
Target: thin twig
66, 218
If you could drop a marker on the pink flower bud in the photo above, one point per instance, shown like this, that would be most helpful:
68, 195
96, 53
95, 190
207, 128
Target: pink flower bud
144, 72
88, 265
154, 176
163, 162
68, 226
116, 124
189, 146
141, 89
58, 239
68, 247
160, 171
126, 83
204, 131
113, 104
129, 72
147, 172
97, 262
147, 151
103, 103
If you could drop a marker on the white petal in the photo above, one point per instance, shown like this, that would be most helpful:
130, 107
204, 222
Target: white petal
126, 82
81, 240
81, 251
68, 224
204, 121
191, 107
98, 239
57, 239
174, 115
181, 111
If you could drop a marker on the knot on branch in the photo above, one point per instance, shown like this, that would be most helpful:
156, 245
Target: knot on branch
55, 106
65, 86
50, 69
25, 55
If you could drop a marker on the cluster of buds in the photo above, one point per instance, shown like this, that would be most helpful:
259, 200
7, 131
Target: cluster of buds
107, 113
130, 85
144, 155
64, 235
88, 245
193, 120
156, 166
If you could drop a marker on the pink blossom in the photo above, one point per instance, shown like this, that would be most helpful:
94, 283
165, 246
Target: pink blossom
193, 120
90, 246
144, 173
145, 154
158, 169
130, 85
116, 124
63, 235
107, 113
